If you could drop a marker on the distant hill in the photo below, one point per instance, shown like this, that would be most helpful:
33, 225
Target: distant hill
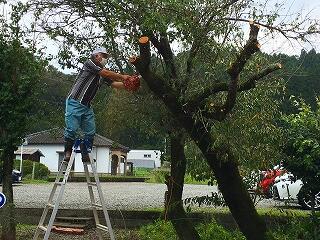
303, 77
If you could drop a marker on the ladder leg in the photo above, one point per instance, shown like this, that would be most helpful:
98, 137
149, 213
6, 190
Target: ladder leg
92, 199
53, 191
58, 200
102, 201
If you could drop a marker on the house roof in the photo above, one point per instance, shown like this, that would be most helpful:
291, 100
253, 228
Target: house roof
55, 136
28, 151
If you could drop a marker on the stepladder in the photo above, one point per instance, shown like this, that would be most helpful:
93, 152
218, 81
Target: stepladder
95, 192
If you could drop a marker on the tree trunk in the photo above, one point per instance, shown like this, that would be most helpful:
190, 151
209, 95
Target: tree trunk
234, 192
8, 218
174, 206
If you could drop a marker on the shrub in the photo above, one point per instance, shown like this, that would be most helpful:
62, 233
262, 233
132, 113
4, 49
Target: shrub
308, 229
40, 171
158, 175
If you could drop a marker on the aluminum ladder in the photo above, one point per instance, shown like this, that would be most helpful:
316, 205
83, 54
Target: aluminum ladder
64, 171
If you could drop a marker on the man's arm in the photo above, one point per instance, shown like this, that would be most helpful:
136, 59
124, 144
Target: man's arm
116, 77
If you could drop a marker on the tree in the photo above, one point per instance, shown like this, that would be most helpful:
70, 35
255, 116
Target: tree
210, 34
19, 71
303, 149
303, 80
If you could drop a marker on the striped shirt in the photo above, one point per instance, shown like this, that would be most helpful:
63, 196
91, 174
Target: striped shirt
87, 83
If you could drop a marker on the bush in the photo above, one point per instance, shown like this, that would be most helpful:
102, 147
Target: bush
142, 172
158, 175
308, 229
40, 172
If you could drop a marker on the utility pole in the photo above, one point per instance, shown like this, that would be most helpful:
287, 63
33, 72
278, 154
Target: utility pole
24, 142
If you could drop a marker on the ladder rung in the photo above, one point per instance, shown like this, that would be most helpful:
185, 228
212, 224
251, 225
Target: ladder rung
59, 183
96, 205
43, 228
102, 227
92, 184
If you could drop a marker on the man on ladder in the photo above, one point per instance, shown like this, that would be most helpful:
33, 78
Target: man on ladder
79, 115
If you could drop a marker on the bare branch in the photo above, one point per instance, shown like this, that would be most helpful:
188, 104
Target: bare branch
199, 40
250, 83
284, 32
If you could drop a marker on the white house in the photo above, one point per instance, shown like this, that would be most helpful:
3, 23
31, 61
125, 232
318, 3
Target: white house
145, 158
110, 156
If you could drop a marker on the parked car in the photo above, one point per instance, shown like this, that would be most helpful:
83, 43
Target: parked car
16, 176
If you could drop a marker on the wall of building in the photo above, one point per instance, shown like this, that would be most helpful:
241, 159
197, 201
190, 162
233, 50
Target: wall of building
51, 157
102, 156
147, 158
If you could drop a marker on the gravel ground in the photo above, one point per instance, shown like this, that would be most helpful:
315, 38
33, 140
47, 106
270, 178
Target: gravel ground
124, 196
117, 195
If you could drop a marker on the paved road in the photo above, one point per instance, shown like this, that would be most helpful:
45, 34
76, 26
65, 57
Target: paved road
117, 195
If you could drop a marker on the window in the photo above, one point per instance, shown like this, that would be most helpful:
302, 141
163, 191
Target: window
147, 155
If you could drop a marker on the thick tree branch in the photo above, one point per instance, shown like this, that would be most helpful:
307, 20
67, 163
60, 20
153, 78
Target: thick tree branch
164, 48
145, 53
224, 86
251, 47
218, 112
251, 82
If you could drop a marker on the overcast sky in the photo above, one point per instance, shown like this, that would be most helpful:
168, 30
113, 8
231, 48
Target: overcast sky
280, 44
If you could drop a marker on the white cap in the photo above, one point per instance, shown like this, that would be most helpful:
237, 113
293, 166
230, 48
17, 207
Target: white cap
100, 50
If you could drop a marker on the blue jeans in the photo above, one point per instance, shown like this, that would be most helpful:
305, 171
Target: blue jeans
79, 116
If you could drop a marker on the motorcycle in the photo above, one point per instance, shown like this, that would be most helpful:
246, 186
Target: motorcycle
282, 185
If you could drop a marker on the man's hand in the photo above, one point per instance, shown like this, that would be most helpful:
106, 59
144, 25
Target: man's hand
117, 85
132, 83
125, 77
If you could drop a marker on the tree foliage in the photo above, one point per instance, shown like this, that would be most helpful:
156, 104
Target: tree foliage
20, 69
303, 146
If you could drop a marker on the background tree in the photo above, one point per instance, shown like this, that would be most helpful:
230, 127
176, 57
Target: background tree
303, 149
19, 71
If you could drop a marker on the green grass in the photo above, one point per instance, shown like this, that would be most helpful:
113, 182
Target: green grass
299, 226
142, 172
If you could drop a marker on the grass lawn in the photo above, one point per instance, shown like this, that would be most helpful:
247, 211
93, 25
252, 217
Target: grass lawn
286, 225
